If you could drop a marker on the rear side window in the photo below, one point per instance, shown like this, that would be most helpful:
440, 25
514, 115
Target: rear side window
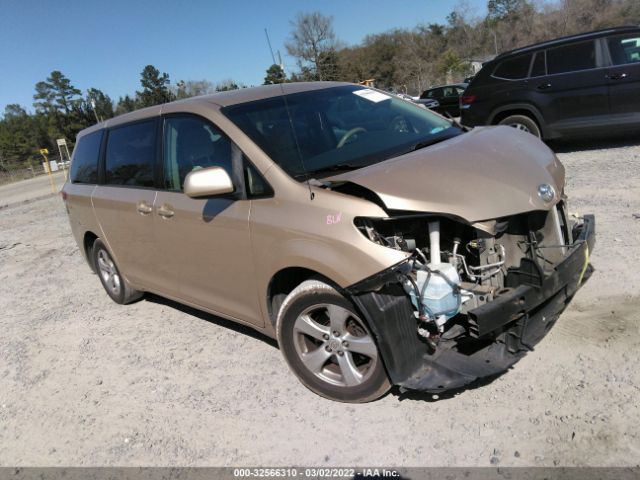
428, 94
84, 167
130, 155
514, 68
624, 48
191, 144
450, 92
571, 58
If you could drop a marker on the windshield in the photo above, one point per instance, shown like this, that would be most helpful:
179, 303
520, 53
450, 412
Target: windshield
320, 132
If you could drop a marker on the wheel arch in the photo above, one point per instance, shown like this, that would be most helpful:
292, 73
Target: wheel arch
519, 109
88, 240
284, 281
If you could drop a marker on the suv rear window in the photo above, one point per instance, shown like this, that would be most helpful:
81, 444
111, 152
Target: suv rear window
513, 68
571, 58
131, 154
84, 167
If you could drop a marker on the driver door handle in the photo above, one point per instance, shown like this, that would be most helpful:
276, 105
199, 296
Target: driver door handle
544, 86
616, 76
144, 208
165, 211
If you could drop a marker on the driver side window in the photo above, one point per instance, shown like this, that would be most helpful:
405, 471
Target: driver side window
191, 144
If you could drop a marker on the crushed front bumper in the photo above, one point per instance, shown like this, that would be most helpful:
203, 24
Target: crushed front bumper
509, 326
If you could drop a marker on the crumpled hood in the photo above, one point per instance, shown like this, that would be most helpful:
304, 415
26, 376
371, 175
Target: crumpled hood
484, 174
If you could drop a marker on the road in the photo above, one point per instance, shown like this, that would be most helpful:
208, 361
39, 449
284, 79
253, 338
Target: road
26, 190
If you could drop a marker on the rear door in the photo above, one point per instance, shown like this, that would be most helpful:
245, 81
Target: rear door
450, 100
124, 200
574, 92
204, 247
623, 77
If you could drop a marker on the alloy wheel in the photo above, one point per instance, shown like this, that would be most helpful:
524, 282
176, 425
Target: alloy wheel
109, 273
334, 344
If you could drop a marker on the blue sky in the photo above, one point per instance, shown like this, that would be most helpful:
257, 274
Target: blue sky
105, 44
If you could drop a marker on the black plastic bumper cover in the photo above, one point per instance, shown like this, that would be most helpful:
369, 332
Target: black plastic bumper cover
524, 316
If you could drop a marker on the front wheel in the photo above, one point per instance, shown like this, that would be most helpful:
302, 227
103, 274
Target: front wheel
328, 346
523, 123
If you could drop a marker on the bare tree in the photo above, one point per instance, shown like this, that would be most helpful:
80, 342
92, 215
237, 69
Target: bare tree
193, 88
312, 42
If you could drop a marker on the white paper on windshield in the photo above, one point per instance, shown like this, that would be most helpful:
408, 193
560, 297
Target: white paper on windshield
372, 95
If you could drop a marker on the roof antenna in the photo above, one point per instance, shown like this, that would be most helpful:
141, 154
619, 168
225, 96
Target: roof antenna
286, 106
295, 138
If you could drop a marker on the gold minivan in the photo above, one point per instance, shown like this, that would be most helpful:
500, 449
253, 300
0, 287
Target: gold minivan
380, 243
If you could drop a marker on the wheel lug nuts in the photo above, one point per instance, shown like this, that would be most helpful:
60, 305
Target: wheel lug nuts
345, 344
340, 352
325, 336
336, 333
327, 348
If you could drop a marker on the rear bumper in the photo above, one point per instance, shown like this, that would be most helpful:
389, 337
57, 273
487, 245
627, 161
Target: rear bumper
509, 326
470, 117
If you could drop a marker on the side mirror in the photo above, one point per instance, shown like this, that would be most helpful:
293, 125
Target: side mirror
208, 182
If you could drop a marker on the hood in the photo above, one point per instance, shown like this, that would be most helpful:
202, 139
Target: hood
484, 174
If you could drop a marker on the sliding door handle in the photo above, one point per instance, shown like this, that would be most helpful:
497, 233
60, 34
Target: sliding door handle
144, 208
616, 76
165, 211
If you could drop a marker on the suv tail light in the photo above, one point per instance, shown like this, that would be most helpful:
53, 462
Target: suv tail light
467, 99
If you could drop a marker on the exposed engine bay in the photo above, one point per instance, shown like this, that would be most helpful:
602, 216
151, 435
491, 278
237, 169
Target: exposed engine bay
455, 267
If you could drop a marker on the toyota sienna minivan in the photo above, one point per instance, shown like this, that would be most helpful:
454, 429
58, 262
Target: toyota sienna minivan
380, 243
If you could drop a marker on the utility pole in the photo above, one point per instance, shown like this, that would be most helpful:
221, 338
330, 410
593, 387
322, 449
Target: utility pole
495, 41
93, 107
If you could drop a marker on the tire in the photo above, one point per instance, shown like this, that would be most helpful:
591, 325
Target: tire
113, 282
328, 346
522, 122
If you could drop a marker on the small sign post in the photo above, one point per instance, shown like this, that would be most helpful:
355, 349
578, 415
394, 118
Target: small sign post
45, 153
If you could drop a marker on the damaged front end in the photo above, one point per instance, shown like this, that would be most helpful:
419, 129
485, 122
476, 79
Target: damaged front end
471, 299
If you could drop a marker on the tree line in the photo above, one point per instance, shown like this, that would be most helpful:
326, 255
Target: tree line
405, 60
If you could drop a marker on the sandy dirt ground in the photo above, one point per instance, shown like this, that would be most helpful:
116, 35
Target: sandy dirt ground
84, 381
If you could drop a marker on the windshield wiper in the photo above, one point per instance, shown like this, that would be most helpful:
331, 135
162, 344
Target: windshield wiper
338, 167
427, 143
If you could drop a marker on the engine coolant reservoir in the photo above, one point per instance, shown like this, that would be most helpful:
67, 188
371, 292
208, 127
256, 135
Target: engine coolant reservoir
439, 297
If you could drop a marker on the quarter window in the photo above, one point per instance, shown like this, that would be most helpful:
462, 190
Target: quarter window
130, 155
571, 58
624, 49
84, 166
191, 144
514, 68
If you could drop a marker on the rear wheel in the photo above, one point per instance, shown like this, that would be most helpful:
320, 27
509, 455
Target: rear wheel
112, 281
328, 346
523, 123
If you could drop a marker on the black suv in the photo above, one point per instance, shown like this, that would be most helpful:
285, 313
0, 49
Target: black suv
574, 85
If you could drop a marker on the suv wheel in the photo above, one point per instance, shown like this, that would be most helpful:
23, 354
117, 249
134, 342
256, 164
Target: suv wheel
113, 282
522, 122
328, 346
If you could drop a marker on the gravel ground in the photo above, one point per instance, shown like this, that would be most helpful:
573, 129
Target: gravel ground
84, 381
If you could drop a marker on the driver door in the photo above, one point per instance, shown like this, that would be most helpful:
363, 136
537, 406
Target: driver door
204, 246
